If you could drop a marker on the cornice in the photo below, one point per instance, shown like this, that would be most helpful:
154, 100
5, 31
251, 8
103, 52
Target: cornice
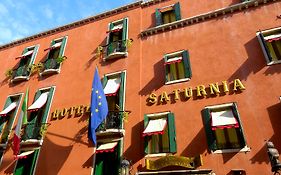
205, 16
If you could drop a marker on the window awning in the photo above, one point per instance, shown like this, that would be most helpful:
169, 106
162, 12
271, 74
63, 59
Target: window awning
165, 9
26, 54
271, 38
39, 102
223, 119
174, 60
112, 86
107, 147
116, 28
155, 127
53, 46
8, 109
24, 154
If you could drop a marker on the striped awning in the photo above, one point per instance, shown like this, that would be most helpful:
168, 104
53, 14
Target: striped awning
116, 28
25, 54
41, 101
224, 119
8, 109
173, 60
106, 147
24, 154
112, 86
271, 38
155, 127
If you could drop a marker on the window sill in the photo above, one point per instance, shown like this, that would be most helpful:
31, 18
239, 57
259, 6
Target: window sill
115, 55
111, 131
158, 155
49, 72
245, 149
177, 81
32, 142
20, 78
274, 62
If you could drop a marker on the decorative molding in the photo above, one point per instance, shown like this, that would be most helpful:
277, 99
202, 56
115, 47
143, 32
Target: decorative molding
73, 24
205, 16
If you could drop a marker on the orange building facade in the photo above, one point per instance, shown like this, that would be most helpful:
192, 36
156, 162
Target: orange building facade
192, 88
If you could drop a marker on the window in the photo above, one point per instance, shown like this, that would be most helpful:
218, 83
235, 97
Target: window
159, 133
114, 89
107, 158
177, 67
33, 132
223, 128
22, 70
168, 14
52, 62
116, 46
270, 41
27, 164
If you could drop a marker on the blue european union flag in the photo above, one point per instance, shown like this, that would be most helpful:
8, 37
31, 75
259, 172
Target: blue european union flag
99, 108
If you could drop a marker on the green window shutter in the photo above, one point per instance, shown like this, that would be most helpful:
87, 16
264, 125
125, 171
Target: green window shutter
109, 39
3, 120
35, 50
265, 46
172, 133
211, 140
48, 55
145, 120
121, 91
124, 32
177, 11
158, 17
63, 43
27, 166
237, 116
186, 61
104, 81
48, 104
166, 68
99, 166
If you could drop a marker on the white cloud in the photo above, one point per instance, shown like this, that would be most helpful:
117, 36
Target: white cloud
48, 12
3, 10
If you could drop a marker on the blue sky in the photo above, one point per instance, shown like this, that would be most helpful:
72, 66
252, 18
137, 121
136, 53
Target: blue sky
21, 18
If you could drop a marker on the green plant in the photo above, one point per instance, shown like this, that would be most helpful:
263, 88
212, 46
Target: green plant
61, 59
9, 73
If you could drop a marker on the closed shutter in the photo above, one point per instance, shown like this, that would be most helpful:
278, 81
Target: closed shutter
145, 120
158, 17
186, 61
211, 140
177, 11
237, 116
172, 133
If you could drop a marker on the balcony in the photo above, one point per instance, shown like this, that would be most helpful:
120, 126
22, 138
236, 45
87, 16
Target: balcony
20, 74
112, 126
33, 133
50, 66
116, 49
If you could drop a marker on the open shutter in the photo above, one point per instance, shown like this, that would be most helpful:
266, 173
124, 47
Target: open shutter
166, 68
3, 120
263, 44
145, 120
47, 105
172, 133
52, 43
237, 116
35, 50
187, 67
206, 114
98, 165
124, 32
22, 68
177, 11
158, 17
34, 161
109, 39
122, 91
63, 43
104, 81
27, 165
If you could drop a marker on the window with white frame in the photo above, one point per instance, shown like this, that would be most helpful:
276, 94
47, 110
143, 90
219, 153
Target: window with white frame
270, 41
168, 14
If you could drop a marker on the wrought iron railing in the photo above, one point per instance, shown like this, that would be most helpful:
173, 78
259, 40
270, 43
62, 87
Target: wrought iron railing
21, 71
112, 121
34, 131
116, 46
51, 63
